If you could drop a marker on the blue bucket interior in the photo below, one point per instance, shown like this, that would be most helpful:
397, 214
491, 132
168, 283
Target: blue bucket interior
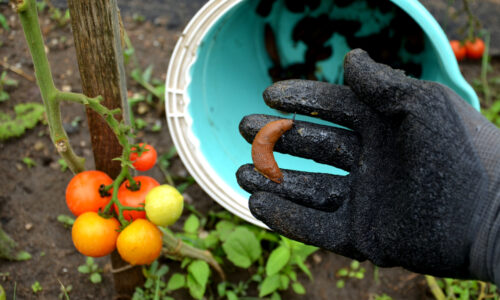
231, 72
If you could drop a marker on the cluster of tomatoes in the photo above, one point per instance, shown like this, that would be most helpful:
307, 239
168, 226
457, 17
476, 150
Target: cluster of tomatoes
140, 241
472, 49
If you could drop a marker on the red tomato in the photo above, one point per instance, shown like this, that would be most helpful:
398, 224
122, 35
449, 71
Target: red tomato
458, 49
475, 48
146, 160
128, 197
82, 192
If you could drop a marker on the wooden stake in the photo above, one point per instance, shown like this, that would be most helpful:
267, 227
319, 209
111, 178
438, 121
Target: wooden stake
96, 30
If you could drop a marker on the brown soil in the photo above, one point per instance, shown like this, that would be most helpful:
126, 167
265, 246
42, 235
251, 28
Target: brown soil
32, 198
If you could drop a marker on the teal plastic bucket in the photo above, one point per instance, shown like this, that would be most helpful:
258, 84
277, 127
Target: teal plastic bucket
221, 66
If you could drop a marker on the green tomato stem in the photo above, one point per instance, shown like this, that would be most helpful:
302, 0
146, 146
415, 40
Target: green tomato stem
31, 27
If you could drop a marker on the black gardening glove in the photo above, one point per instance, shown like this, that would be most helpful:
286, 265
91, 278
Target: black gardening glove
423, 188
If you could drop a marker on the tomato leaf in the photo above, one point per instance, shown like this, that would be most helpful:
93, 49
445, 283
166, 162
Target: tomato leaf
277, 260
177, 281
195, 289
224, 228
242, 247
200, 271
192, 224
95, 278
231, 295
285, 282
84, 269
275, 296
269, 285
298, 288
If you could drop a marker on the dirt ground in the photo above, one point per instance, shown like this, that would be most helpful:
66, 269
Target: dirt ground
32, 198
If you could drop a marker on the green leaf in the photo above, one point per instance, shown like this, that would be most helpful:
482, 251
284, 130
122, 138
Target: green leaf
298, 288
185, 261
27, 116
302, 250
354, 265
146, 75
23, 255
303, 267
192, 224
95, 278
221, 289
242, 247
275, 296
231, 295
195, 289
3, 22
29, 162
343, 272
177, 281
4, 96
285, 282
277, 260
200, 271
84, 269
211, 240
269, 285
340, 283
224, 228
66, 220
63, 164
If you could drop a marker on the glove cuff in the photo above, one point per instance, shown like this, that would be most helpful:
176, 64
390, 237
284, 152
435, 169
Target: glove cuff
485, 250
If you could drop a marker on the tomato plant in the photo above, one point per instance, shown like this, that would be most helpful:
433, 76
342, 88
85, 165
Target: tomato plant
474, 48
458, 49
83, 192
135, 198
164, 205
143, 158
94, 235
140, 242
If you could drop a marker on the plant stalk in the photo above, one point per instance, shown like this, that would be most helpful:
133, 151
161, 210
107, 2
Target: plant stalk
174, 247
434, 287
31, 27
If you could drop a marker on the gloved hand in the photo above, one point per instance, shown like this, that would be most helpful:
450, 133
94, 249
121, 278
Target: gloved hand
423, 190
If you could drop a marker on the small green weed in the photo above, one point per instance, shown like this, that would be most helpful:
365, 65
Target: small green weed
6, 81
27, 116
3, 22
91, 268
66, 220
29, 162
381, 297
353, 271
65, 290
36, 287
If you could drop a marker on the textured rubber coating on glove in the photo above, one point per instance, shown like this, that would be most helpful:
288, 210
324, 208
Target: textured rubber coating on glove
263, 145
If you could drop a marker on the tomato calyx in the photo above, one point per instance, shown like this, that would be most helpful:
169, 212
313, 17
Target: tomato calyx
139, 149
104, 190
133, 187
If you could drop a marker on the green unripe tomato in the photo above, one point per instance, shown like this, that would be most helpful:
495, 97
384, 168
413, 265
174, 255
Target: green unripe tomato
164, 205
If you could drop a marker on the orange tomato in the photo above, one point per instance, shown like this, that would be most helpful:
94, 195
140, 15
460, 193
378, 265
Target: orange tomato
82, 192
128, 197
140, 242
94, 235
458, 49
